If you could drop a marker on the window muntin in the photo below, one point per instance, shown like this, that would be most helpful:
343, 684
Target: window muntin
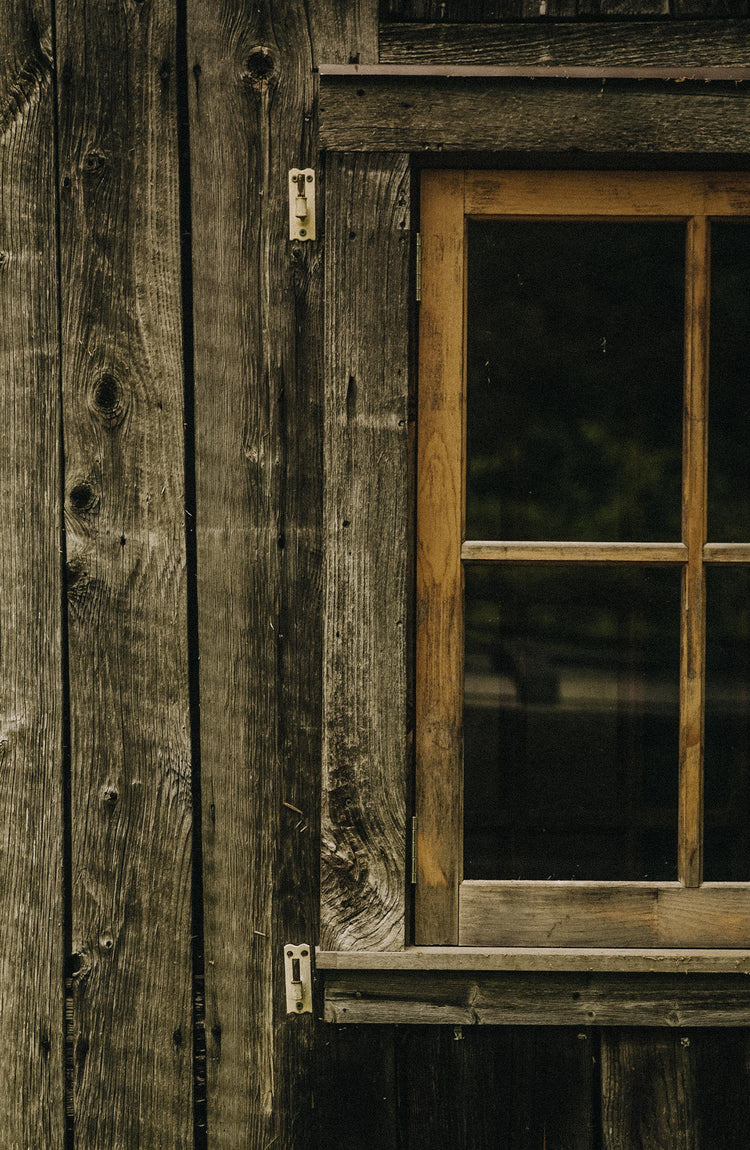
611, 912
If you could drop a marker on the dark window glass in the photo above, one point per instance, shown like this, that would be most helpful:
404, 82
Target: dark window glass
727, 739
729, 387
571, 722
575, 371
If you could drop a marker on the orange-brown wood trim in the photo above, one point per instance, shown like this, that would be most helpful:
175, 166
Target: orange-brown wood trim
660, 195
515, 551
440, 511
693, 614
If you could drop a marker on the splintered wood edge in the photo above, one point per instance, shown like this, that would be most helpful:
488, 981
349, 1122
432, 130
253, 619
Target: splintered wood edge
532, 998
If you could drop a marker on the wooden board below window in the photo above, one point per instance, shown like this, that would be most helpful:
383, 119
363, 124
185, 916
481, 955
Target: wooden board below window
604, 914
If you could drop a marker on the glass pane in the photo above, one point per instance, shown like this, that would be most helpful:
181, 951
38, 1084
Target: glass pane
571, 722
729, 388
727, 741
575, 371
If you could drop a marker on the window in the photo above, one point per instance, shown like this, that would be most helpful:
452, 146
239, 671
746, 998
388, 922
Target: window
583, 560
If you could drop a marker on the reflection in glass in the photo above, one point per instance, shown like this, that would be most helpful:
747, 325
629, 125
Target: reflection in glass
727, 738
575, 366
729, 400
571, 722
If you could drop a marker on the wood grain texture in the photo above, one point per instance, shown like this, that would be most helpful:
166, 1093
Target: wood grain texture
647, 1096
365, 753
466, 958
258, 406
124, 500
533, 999
685, 42
535, 116
726, 553
457, 11
674, 1089
590, 553
510, 1087
31, 687
604, 914
583, 194
493, 72
440, 525
693, 613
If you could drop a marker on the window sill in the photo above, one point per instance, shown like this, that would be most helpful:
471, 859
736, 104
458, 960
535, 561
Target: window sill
530, 958
463, 986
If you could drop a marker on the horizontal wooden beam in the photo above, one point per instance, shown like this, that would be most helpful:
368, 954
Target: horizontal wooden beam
523, 552
731, 73
679, 43
552, 999
360, 112
590, 195
726, 552
519, 913
541, 958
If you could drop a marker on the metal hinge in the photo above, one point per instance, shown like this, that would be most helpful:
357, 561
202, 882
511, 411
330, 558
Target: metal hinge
414, 850
302, 204
298, 978
419, 268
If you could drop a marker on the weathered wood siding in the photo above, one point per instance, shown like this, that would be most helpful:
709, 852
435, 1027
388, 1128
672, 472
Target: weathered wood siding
259, 460
367, 513
31, 672
124, 499
162, 593
475, 11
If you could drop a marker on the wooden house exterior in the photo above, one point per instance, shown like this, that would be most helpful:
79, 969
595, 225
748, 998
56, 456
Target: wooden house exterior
209, 595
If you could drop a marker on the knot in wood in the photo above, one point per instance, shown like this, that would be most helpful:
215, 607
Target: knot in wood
260, 67
94, 160
82, 497
110, 796
79, 966
4, 260
108, 399
74, 570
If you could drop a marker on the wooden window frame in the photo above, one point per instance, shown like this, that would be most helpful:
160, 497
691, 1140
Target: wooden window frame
516, 913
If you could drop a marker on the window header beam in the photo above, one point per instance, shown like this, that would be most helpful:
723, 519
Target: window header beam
501, 109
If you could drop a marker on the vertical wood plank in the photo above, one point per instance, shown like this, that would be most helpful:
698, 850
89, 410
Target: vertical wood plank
515, 1087
693, 615
674, 1088
124, 502
440, 519
359, 1088
553, 1098
365, 765
648, 1095
31, 687
258, 408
